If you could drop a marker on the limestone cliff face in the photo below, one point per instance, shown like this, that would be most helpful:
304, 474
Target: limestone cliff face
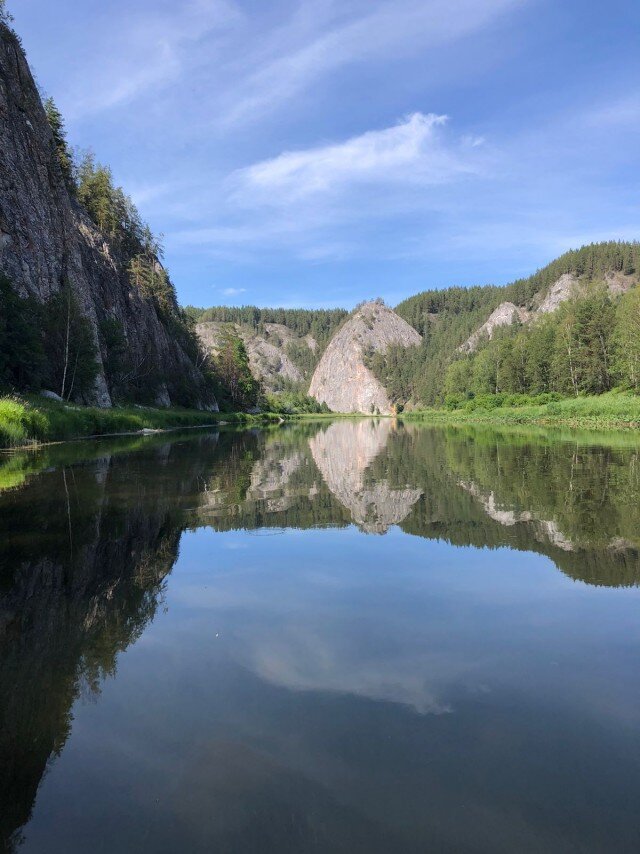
268, 359
46, 240
505, 314
566, 287
342, 379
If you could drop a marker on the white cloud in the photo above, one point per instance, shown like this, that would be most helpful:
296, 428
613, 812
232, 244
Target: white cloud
324, 203
412, 152
376, 30
233, 292
139, 51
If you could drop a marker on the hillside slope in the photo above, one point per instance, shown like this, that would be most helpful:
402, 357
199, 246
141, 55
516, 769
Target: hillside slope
460, 326
49, 243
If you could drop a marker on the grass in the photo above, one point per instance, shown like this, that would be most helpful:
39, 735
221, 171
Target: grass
28, 421
607, 410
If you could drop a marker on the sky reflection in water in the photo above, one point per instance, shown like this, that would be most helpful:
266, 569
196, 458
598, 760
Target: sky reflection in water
348, 637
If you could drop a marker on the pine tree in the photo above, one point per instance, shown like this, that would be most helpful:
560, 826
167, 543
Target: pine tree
6, 17
63, 155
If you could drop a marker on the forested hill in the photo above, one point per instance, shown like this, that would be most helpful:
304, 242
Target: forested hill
321, 324
573, 327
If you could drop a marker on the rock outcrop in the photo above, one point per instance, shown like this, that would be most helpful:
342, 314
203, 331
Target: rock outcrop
268, 358
47, 240
560, 291
566, 287
506, 314
342, 380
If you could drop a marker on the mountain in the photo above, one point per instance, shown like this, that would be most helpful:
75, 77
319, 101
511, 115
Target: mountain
68, 281
342, 379
568, 286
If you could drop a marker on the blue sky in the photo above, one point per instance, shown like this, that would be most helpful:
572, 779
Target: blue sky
320, 152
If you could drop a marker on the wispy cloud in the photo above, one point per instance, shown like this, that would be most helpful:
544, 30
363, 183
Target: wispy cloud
139, 51
232, 292
412, 152
320, 202
373, 30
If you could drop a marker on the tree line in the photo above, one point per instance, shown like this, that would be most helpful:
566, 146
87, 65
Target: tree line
589, 345
321, 324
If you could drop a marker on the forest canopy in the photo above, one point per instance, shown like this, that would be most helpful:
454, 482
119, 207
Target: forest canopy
590, 345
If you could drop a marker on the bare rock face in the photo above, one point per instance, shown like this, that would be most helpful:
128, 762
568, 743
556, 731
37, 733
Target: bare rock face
342, 454
505, 314
563, 289
46, 239
569, 286
560, 291
268, 359
342, 380
619, 283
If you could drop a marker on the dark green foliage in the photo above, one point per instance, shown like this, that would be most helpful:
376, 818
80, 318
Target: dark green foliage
117, 363
117, 217
63, 155
236, 386
71, 366
48, 345
303, 357
21, 351
570, 352
626, 340
141, 253
531, 360
294, 403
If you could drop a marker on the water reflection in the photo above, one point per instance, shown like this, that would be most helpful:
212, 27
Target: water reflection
319, 696
343, 453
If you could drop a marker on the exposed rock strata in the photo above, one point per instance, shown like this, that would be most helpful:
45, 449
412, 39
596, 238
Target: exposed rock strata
268, 359
342, 380
565, 288
46, 240
506, 314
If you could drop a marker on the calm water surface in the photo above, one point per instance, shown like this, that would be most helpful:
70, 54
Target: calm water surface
343, 637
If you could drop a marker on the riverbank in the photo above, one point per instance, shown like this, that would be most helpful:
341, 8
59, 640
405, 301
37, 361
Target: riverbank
611, 410
28, 421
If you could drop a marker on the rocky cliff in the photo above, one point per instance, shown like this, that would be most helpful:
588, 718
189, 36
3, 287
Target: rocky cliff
342, 380
47, 241
268, 353
566, 287
506, 314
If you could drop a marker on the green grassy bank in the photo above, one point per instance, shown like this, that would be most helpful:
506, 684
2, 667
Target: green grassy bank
26, 421
606, 410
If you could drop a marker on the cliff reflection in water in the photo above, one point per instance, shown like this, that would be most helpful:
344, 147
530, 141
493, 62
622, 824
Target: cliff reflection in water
85, 548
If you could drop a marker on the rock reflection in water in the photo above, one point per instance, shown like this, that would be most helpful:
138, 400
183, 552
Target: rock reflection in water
86, 550
343, 453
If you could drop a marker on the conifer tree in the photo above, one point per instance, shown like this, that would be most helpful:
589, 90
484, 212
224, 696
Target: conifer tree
65, 161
